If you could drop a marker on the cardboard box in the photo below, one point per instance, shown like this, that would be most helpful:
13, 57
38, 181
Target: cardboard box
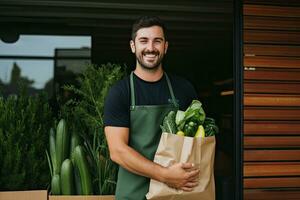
24, 195
77, 197
43, 195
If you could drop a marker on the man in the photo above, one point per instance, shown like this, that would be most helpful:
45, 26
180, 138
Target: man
134, 110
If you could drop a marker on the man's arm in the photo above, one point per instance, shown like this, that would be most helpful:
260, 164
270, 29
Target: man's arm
179, 175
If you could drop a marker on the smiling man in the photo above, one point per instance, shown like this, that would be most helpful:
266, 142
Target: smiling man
134, 110
150, 47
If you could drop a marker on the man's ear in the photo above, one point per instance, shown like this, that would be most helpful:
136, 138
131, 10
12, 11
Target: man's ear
132, 46
166, 46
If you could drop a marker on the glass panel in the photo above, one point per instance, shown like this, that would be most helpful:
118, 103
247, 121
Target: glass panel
43, 62
36, 75
43, 45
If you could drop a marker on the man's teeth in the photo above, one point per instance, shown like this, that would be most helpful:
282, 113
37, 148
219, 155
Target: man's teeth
150, 55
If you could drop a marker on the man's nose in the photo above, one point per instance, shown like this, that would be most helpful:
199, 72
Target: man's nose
150, 46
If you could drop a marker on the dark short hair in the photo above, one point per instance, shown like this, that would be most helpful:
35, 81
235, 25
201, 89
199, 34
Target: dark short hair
145, 22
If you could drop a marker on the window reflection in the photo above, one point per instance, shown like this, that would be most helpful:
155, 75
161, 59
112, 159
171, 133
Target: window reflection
42, 62
43, 45
36, 75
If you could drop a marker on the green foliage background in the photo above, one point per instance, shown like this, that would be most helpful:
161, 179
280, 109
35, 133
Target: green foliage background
24, 126
25, 122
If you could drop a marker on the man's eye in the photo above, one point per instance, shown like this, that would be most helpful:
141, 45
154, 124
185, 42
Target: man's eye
143, 41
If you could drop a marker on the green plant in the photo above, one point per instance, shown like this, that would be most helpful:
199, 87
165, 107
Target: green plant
24, 124
69, 169
62, 144
84, 114
81, 164
67, 177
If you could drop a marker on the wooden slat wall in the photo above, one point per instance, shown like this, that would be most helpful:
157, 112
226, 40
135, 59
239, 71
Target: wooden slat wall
271, 99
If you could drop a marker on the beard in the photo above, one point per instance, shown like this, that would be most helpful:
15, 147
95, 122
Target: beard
149, 66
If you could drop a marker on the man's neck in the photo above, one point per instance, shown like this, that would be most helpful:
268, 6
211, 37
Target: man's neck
149, 75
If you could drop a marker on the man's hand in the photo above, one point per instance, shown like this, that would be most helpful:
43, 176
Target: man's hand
182, 176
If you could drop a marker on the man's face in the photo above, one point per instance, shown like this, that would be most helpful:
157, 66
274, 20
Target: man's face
149, 47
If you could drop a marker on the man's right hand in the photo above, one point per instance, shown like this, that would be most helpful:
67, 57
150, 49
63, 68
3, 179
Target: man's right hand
182, 176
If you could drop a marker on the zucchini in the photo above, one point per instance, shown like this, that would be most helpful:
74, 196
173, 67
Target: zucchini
52, 151
83, 168
62, 143
67, 178
75, 140
77, 180
55, 185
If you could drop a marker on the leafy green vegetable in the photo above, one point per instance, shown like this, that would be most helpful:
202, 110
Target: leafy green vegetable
169, 124
179, 117
210, 127
193, 113
187, 122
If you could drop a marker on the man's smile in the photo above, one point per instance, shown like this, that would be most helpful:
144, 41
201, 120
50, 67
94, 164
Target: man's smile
150, 56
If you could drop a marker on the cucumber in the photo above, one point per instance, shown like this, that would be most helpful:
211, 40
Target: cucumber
77, 181
75, 140
67, 178
53, 151
55, 185
62, 143
83, 168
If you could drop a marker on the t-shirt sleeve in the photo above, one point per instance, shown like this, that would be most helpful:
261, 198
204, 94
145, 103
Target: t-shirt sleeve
116, 107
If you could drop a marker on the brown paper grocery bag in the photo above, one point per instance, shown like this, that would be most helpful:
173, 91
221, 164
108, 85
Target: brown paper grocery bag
200, 151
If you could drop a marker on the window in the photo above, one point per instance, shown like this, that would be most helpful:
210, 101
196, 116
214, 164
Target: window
42, 62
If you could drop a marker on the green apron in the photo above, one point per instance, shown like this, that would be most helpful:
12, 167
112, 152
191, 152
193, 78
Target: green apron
145, 132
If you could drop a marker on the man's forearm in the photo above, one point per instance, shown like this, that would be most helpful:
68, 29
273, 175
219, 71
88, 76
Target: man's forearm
178, 175
134, 162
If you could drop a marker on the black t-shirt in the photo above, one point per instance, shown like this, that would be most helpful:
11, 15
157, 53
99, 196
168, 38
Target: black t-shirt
118, 101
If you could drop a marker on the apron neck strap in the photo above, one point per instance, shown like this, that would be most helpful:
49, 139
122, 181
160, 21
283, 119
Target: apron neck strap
132, 90
169, 86
171, 90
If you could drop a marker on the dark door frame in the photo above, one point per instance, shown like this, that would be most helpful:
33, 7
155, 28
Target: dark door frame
238, 98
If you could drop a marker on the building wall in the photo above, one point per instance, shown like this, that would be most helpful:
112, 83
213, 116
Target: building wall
271, 99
